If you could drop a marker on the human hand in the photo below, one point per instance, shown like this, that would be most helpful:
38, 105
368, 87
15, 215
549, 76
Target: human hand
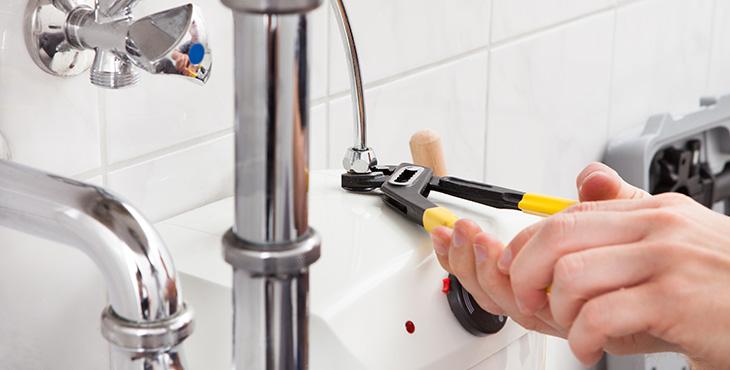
629, 276
472, 255
182, 61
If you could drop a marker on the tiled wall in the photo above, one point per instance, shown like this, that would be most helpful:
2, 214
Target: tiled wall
524, 92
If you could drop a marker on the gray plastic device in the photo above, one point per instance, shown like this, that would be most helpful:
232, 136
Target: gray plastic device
688, 154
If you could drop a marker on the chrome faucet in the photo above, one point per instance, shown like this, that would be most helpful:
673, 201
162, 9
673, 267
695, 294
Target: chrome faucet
147, 319
359, 158
66, 37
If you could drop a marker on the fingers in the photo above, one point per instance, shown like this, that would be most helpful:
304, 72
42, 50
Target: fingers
618, 205
441, 238
461, 261
487, 250
531, 271
599, 182
614, 315
581, 276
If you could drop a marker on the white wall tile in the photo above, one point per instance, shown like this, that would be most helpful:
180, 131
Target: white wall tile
318, 55
394, 36
318, 137
449, 99
161, 111
719, 75
49, 122
548, 106
661, 59
516, 17
179, 181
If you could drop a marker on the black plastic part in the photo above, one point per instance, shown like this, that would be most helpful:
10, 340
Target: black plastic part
679, 170
365, 182
472, 317
410, 200
490, 195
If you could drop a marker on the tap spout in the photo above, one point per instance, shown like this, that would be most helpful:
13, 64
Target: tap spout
143, 288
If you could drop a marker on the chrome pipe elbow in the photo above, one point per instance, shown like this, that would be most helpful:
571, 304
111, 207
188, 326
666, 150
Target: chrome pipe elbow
146, 320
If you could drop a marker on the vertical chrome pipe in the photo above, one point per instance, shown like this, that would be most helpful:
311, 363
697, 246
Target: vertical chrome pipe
272, 106
271, 245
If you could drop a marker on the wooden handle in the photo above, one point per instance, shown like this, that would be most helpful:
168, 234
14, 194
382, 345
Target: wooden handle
427, 151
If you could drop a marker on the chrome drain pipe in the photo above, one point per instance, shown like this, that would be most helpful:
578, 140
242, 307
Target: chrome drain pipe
271, 246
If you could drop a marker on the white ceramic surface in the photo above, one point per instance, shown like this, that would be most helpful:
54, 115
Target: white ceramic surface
516, 17
661, 59
157, 184
395, 36
377, 271
548, 106
433, 98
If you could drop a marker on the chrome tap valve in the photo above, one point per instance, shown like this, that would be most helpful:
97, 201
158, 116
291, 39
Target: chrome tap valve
66, 37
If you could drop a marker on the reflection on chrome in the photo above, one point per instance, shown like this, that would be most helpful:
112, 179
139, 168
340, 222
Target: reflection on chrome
146, 320
65, 38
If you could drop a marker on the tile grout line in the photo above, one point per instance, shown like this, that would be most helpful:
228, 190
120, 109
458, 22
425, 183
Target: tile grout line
328, 126
413, 72
713, 34
156, 154
456, 57
538, 31
103, 137
611, 75
485, 155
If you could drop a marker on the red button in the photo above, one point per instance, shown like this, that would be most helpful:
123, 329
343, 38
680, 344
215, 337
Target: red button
445, 285
410, 327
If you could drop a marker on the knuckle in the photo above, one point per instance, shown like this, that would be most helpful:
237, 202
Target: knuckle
584, 207
667, 217
560, 225
568, 271
594, 313
673, 198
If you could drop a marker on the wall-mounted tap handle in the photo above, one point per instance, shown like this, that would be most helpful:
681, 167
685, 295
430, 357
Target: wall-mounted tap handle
173, 41
66, 35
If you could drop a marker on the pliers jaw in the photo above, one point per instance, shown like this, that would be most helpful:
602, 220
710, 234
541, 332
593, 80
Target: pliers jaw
366, 182
407, 189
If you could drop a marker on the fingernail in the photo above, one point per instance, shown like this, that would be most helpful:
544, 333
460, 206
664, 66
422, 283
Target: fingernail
459, 238
439, 246
585, 179
480, 253
506, 260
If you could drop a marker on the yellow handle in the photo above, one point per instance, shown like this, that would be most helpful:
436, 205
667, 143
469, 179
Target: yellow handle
438, 216
542, 205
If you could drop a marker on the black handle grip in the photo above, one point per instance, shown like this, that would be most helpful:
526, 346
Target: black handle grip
722, 185
490, 195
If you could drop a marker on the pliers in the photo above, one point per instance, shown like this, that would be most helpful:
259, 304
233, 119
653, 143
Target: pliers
406, 188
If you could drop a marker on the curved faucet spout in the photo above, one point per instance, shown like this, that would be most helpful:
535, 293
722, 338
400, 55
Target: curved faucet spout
138, 269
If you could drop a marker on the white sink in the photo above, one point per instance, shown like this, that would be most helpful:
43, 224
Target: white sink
377, 271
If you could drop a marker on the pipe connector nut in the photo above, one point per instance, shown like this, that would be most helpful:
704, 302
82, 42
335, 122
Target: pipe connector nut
272, 6
359, 161
147, 337
272, 259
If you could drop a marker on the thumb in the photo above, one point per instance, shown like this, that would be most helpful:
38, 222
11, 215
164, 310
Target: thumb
599, 182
